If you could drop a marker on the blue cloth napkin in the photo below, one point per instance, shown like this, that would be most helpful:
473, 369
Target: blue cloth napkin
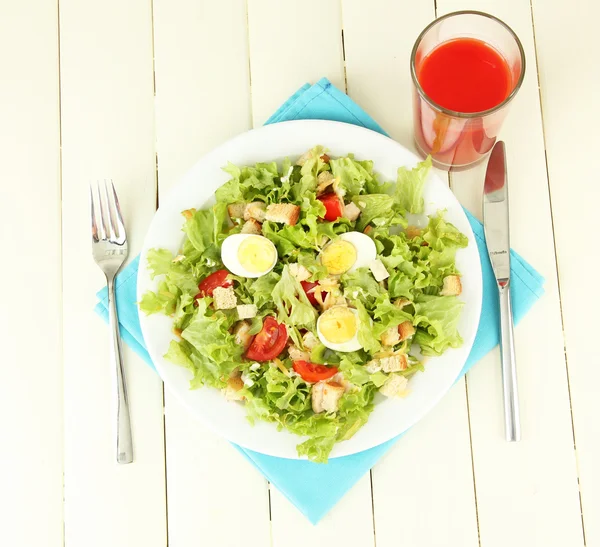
296, 478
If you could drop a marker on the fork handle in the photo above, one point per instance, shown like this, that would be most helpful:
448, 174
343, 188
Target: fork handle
124, 440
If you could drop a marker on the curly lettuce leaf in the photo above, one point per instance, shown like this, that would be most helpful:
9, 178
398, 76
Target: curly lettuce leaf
409, 186
437, 320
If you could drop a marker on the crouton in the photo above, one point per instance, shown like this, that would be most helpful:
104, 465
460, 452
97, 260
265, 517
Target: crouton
287, 213
309, 340
373, 366
401, 302
394, 363
351, 212
255, 210
236, 210
395, 386
406, 330
390, 337
325, 158
299, 272
326, 396
325, 180
251, 226
378, 270
247, 311
234, 386
224, 298
304, 157
296, 354
452, 286
412, 231
241, 333
368, 230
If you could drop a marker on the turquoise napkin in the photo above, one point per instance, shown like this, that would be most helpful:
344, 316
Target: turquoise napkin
296, 478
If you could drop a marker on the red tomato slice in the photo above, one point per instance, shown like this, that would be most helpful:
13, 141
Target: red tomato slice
334, 206
214, 280
308, 286
314, 373
269, 342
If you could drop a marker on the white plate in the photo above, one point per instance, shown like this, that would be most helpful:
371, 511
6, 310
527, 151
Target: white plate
390, 417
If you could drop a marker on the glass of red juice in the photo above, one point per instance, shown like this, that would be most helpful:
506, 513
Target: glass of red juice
466, 68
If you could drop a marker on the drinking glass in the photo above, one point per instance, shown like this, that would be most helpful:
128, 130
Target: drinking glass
459, 140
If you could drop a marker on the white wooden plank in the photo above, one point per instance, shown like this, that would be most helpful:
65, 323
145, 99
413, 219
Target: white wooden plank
202, 98
569, 78
30, 316
437, 486
107, 131
292, 43
526, 490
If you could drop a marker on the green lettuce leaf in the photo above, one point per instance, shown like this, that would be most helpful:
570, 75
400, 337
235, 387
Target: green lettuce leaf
437, 320
409, 186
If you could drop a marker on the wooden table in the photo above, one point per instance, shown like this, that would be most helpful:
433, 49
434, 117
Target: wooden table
138, 90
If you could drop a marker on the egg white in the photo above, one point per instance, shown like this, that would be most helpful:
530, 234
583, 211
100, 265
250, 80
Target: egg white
366, 251
351, 345
229, 255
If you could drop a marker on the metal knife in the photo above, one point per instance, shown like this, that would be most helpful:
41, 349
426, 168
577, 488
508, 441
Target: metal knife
496, 228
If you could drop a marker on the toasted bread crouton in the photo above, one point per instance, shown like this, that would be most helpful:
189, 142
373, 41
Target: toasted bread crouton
452, 286
368, 230
241, 333
390, 337
236, 210
351, 212
304, 157
299, 272
224, 298
296, 354
406, 330
325, 180
401, 302
247, 311
287, 213
310, 341
412, 231
378, 270
326, 396
234, 386
255, 210
251, 226
395, 386
394, 363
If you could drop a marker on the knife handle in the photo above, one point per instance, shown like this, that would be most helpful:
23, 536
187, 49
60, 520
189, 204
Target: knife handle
512, 424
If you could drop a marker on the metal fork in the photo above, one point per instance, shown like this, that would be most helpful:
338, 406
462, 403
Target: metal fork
109, 247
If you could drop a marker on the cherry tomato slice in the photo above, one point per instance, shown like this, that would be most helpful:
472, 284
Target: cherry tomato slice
308, 286
314, 373
214, 280
334, 207
269, 342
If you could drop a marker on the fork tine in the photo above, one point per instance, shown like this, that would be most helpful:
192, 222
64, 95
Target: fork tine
102, 210
119, 217
94, 225
110, 214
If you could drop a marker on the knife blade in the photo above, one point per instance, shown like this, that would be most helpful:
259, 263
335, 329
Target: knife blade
497, 236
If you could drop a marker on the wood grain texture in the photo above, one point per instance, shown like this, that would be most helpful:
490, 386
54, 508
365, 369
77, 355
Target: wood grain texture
202, 99
30, 315
569, 79
527, 484
107, 131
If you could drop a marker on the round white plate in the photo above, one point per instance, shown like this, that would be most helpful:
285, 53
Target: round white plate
390, 417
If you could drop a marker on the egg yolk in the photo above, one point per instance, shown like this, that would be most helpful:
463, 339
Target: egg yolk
338, 325
256, 254
338, 257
